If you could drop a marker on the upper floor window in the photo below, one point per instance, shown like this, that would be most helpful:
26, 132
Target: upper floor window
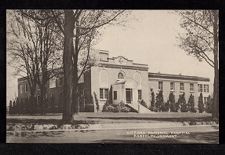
191, 87
160, 85
172, 86
120, 76
182, 86
199, 87
206, 88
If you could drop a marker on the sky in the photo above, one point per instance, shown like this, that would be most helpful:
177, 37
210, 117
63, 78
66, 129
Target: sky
149, 37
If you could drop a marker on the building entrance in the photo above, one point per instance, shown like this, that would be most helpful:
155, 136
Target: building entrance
129, 95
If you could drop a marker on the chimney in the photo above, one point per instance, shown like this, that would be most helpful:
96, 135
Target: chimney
103, 55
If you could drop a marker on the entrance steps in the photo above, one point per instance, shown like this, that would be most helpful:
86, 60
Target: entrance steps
134, 108
140, 108
143, 109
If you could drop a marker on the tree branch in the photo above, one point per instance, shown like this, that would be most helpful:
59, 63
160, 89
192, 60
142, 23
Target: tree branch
87, 58
193, 21
59, 24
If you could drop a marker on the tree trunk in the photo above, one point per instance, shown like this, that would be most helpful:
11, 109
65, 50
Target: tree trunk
75, 75
67, 66
33, 106
75, 94
43, 99
215, 113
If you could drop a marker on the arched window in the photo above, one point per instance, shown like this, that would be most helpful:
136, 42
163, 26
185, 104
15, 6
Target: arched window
120, 75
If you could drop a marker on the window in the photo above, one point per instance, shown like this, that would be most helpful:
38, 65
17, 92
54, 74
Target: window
101, 93
129, 95
172, 86
120, 76
206, 88
160, 86
199, 87
104, 93
139, 94
115, 95
52, 83
182, 86
191, 87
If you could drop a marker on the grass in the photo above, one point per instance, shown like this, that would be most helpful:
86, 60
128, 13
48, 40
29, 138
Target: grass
46, 121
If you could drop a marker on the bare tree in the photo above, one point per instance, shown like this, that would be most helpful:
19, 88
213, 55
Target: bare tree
49, 44
201, 40
35, 46
80, 29
20, 48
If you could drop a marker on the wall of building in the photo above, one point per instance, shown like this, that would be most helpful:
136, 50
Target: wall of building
23, 89
153, 83
205, 94
110, 76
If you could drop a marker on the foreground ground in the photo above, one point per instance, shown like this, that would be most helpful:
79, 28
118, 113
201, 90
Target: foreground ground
120, 128
120, 136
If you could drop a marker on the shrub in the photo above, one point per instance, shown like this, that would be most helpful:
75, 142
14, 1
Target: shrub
105, 106
166, 106
121, 104
200, 103
182, 102
121, 107
208, 106
110, 108
152, 107
125, 109
177, 106
10, 107
159, 100
172, 103
96, 102
191, 104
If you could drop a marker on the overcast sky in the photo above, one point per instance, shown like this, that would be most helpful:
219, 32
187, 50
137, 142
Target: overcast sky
149, 37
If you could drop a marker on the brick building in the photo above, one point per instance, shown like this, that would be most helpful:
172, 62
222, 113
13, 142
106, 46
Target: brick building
120, 79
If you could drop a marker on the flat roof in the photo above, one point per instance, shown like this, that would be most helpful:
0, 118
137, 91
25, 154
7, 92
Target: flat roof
177, 76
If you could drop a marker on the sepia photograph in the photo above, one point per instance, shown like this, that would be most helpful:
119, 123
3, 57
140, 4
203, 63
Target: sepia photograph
112, 76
